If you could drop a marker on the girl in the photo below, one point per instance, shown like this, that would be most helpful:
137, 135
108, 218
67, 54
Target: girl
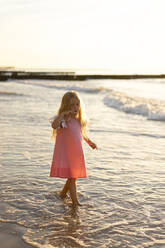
69, 126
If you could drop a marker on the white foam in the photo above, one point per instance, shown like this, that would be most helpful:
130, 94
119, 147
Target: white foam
151, 108
27, 155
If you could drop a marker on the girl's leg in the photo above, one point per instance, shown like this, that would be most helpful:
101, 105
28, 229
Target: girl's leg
65, 189
73, 192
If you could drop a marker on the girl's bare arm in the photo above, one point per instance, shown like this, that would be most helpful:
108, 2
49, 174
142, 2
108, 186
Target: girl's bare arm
57, 121
90, 143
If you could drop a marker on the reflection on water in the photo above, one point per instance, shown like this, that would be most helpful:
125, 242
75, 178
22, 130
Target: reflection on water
123, 199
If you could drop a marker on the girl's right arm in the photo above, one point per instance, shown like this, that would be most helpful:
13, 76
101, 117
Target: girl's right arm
56, 122
59, 118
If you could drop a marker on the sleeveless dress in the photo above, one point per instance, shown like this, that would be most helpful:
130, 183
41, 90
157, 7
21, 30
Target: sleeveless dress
68, 158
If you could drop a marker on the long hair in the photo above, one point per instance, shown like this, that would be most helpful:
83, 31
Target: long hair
81, 115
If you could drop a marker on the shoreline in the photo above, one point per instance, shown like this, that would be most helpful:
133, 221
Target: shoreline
14, 74
11, 236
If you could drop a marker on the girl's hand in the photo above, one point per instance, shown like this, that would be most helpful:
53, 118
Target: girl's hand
93, 145
90, 143
57, 121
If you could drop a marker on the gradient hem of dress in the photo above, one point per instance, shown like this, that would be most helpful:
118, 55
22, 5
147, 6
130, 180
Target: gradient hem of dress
68, 172
69, 177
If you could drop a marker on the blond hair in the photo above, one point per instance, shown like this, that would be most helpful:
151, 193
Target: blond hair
81, 115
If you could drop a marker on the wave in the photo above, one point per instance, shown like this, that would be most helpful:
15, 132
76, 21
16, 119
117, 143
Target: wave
150, 108
65, 86
119, 131
5, 93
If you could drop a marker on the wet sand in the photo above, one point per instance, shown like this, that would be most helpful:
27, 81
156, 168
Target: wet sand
11, 236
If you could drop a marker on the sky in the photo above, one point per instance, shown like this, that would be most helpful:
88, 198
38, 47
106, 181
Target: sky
119, 36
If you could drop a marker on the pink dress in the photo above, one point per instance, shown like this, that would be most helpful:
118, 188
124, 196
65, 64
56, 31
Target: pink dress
68, 158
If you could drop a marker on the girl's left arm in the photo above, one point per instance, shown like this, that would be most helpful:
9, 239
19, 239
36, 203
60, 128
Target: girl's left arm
90, 143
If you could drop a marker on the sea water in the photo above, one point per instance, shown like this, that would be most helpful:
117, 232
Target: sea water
123, 197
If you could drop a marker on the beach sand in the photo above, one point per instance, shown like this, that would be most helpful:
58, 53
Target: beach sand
11, 236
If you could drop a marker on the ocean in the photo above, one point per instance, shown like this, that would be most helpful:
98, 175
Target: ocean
123, 196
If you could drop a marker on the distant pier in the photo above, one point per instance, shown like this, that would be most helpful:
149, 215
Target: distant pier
20, 74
